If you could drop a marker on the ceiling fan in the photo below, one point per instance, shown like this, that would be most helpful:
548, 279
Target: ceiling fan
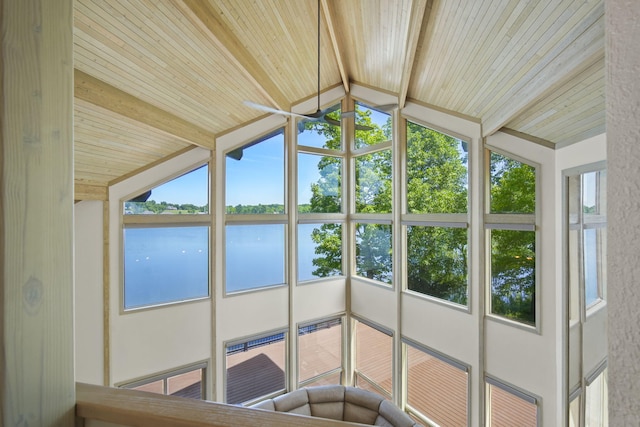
319, 114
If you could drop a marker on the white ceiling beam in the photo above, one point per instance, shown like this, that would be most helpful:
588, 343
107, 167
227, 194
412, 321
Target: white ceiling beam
344, 75
420, 11
202, 12
583, 48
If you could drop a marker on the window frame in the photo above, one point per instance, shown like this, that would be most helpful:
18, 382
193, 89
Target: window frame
528, 397
511, 222
341, 369
257, 219
356, 373
165, 375
129, 221
444, 220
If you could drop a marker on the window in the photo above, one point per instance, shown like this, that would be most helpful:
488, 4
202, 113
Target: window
321, 167
255, 368
373, 359
510, 407
373, 252
186, 382
512, 236
166, 242
320, 353
255, 231
596, 403
436, 219
437, 387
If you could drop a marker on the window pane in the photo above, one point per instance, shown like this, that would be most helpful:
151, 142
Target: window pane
319, 348
513, 186
328, 380
373, 252
436, 389
436, 172
255, 177
319, 251
513, 275
152, 387
254, 256
596, 403
186, 194
437, 262
319, 183
594, 256
574, 413
255, 368
322, 134
373, 355
372, 126
373, 182
508, 410
165, 264
188, 384
594, 201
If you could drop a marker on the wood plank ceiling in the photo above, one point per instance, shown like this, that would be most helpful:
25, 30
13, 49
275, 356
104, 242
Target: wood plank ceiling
153, 77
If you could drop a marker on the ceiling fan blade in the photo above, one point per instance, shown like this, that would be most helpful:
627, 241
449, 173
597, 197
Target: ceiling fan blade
272, 110
335, 122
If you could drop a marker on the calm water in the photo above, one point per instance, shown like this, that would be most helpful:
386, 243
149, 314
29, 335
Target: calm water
170, 264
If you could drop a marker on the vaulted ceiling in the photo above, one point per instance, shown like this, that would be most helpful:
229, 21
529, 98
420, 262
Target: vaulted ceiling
155, 77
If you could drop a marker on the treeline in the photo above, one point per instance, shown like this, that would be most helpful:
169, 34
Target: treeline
264, 209
163, 207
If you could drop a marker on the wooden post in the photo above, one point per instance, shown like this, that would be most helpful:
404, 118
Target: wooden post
36, 212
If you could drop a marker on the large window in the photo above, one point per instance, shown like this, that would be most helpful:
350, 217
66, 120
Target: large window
437, 387
185, 382
511, 224
373, 359
166, 242
436, 215
255, 368
320, 353
255, 232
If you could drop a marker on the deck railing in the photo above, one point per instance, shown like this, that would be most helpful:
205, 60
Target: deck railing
102, 406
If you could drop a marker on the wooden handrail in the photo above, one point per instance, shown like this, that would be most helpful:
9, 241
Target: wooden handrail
132, 407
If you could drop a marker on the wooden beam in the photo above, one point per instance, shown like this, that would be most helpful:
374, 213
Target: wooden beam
344, 75
420, 11
235, 52
567, 60
36, 184
97, 92
90, 192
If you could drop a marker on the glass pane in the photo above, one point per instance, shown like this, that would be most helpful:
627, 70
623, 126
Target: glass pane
594, 201
165, 264
319, 183
513, 186
574, 412
328, 380
363, 383
254, 256
152, 387
373, 182
373, 355
372, 126
373, 252
596, 403
508, 410
186, 194
255, 177
436, 389
319, 348
513, 275
188, 384
322, 134
437, 262
437, 175
319, 251
594, 256
255, 368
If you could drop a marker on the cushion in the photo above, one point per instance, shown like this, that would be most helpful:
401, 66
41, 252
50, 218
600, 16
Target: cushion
296, 402
265, 404
394, 415
358, 414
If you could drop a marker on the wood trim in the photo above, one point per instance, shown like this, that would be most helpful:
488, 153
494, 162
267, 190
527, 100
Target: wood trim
530, 138
235, 52
326, 9
99, 93
420, 11
90, 192
149, 166
132, 407
106, 298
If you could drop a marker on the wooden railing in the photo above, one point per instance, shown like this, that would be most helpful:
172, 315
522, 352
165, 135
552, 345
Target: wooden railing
96, 405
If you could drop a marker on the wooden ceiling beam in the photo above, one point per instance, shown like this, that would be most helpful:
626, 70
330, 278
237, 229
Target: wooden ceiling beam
344, 75
202, 12
581, 49
99, 93
420, 11
90, 192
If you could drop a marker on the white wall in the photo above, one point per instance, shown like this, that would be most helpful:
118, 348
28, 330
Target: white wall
150, 341
89, 287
